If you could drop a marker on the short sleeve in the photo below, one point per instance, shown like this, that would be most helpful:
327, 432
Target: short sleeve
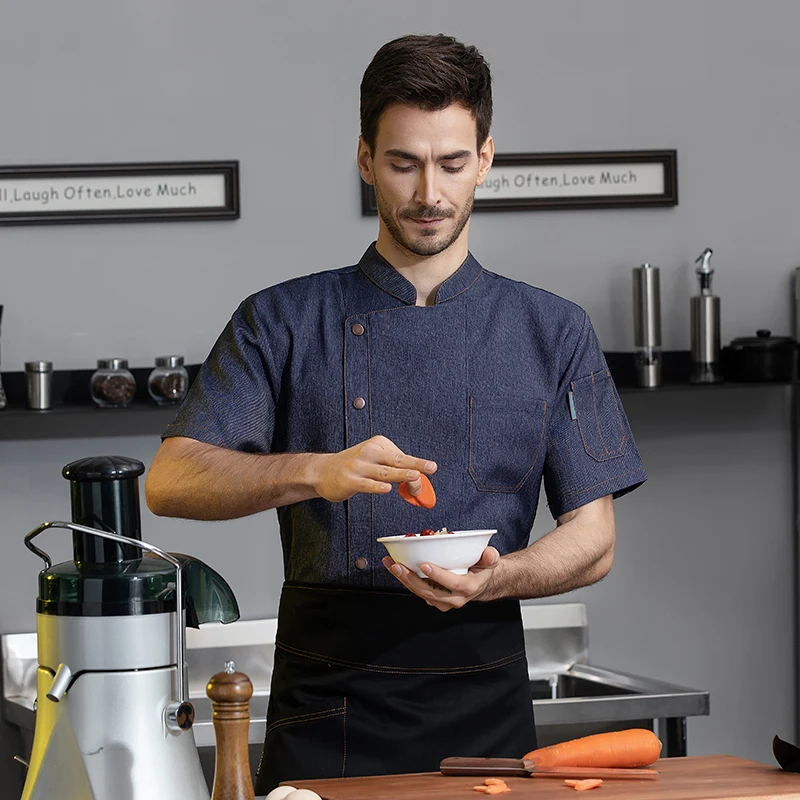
232, 401
590, 450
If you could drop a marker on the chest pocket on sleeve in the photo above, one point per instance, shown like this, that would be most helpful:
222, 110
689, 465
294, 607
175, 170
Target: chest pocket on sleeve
506, 438
598, 415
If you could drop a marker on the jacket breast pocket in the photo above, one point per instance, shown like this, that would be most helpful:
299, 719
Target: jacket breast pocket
598, 416
506, 441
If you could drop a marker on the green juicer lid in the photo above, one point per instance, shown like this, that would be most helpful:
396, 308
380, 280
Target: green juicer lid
132, 588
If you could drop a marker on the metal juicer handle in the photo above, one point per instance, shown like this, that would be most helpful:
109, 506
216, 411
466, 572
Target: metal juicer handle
150, 548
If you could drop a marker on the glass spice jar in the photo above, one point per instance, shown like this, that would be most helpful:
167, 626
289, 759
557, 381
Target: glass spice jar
169, 381
112, 385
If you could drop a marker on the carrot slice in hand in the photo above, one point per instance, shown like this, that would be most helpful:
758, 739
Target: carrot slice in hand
426, 498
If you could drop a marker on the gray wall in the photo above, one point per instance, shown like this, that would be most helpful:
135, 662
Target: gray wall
701, 593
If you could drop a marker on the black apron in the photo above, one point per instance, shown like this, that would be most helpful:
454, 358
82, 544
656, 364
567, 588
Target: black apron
370, 682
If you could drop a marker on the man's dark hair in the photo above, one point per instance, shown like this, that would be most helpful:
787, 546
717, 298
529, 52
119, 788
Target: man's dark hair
429, 72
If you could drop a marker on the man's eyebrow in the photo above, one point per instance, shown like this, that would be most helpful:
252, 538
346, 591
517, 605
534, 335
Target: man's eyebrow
411, 157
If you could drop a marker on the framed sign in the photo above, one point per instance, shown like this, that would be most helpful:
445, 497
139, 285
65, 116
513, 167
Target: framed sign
534, 181
180, 190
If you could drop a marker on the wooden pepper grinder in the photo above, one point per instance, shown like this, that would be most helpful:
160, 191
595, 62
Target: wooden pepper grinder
230, 694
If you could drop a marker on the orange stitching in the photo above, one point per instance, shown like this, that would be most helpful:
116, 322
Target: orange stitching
402, 595
595, 485
335, 712
481, 487
344, 738
500, 662
586, 444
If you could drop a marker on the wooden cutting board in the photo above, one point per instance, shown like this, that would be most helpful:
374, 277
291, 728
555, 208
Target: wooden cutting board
691, 778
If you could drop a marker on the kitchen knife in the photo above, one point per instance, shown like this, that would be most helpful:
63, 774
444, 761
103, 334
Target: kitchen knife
519, 768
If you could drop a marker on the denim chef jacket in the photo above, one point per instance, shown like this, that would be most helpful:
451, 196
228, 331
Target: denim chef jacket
498, 382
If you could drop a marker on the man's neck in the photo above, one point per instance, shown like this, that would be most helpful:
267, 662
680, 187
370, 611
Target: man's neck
425, 273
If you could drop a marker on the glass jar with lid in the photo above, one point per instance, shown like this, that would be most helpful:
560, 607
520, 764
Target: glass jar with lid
112, 385
169, 381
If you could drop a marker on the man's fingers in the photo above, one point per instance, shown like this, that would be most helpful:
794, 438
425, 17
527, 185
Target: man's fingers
385, 451
386, 474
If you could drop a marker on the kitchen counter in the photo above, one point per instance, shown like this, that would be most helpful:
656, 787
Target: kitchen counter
692, 778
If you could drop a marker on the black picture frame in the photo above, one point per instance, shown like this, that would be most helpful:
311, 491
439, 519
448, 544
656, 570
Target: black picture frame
78, 185
551, 163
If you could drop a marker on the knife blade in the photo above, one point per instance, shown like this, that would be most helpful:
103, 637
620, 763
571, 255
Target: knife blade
519, 768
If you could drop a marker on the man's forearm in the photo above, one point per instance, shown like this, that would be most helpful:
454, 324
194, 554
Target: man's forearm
577, 553
211, 483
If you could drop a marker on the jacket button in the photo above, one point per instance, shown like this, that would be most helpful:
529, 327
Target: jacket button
359, 402
357, 329
361, 562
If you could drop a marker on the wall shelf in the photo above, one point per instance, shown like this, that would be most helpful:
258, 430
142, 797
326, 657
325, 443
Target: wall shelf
75, 416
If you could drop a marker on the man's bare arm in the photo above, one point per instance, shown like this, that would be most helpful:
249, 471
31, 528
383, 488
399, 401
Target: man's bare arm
577, 553
195, 480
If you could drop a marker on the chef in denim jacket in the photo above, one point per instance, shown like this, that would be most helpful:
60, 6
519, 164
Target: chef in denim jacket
325, 392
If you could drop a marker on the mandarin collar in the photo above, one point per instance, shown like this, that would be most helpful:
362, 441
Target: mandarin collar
387, 278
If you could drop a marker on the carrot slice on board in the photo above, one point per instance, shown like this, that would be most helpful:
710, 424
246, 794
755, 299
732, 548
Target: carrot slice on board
426, 498
483, 789
495, 782
589, 783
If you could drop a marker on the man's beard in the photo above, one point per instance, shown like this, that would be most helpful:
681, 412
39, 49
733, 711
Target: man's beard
429, 243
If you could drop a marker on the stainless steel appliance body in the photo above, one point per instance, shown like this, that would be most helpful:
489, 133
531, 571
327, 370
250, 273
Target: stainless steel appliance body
647, 325
705, 326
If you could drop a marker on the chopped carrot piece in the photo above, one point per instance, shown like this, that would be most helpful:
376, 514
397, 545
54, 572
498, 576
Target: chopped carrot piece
589, 783
495, 782
495, 789
483, 789
570, 781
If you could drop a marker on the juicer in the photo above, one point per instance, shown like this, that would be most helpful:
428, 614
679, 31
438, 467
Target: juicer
112, 716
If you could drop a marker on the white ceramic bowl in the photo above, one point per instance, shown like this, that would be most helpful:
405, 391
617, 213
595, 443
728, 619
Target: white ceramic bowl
456, 551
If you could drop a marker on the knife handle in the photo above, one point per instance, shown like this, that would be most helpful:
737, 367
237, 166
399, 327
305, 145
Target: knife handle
510, 767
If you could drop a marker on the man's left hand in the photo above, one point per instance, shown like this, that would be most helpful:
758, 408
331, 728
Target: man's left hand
443, 589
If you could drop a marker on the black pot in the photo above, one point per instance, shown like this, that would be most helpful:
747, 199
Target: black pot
762, 357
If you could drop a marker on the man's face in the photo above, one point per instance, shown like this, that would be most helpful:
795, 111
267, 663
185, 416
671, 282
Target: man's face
425, 168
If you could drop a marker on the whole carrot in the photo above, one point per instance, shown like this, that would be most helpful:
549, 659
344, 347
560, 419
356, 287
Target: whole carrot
636, 747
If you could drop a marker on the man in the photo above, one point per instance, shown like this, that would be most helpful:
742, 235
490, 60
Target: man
325, 392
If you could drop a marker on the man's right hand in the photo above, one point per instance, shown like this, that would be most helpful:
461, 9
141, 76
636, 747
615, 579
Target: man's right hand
370, 467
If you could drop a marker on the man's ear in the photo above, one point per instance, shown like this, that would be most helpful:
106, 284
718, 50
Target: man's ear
485, 159
364, 159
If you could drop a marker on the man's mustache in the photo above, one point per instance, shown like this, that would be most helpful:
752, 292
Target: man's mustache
428, 213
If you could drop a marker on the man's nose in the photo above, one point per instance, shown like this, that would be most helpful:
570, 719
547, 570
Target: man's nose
428, 187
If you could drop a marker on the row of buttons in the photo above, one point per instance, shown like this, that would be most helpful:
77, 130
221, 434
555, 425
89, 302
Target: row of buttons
359, 402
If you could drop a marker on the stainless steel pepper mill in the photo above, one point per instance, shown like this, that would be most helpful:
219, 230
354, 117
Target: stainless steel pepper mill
647, 325
705, 322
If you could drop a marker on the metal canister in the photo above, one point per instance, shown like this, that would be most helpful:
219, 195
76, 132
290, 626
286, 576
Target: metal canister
39, 379
647, 325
